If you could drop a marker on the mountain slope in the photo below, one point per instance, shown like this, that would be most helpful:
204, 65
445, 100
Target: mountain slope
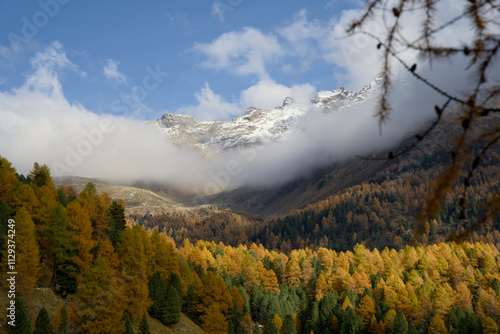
255, 126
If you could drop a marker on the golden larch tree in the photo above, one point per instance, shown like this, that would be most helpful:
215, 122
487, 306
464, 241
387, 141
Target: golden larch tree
135, 269
437, 326
366, 309
99, 303
490, 326
26, 252
81, 226
214, 321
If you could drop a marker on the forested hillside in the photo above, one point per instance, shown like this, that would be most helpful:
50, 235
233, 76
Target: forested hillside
378, 213
110, 275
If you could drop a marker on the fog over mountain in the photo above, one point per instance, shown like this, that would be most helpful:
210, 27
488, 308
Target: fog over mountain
38, 123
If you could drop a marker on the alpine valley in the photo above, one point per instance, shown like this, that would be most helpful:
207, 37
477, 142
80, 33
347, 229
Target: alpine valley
96, 256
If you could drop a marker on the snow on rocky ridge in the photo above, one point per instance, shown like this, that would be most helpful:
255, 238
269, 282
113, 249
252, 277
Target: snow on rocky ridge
255, 126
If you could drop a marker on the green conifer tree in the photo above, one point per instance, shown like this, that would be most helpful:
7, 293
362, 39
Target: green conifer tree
144, 325
128, 324
22, 322
157, 294
289, 325
270, 327
175, 281
399, 326
173, 307
352, 323
42, 323
117, 222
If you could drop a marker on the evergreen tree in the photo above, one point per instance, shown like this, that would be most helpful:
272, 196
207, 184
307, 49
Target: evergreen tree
289, 325
270, 328
61, 197
173, 307
128, 324
22, 324
352, 323
42, 323
157, 294
117, 222
144, 325
175, 281
399, 326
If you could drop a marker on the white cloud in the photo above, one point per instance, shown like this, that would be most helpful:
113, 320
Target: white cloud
303, 35
267, 94
110, 70
40, 124
241, 52
47, 66
210, 106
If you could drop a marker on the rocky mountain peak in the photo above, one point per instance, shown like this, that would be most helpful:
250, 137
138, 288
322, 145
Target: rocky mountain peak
255, 126
289, 101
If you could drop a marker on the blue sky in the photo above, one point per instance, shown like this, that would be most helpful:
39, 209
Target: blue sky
212, 51
67, 67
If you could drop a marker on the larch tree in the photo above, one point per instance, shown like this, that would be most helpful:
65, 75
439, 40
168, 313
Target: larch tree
4, 220
134, 271
63, 251
165, 255
99, 306
81, 226
47, 199
214, 321
277, 321
8, 180
268, 278
61, 321
41, 176
366, 309
292, 273
213, 291
321, 286
247, 325
437, 326
490, 326
27, 253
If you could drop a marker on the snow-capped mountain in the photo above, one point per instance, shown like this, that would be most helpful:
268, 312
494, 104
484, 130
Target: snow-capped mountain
255, 126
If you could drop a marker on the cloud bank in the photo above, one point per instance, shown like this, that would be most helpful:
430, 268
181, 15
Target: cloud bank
40, 124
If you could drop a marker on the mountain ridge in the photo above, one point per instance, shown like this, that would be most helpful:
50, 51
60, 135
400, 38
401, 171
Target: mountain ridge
255, 126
